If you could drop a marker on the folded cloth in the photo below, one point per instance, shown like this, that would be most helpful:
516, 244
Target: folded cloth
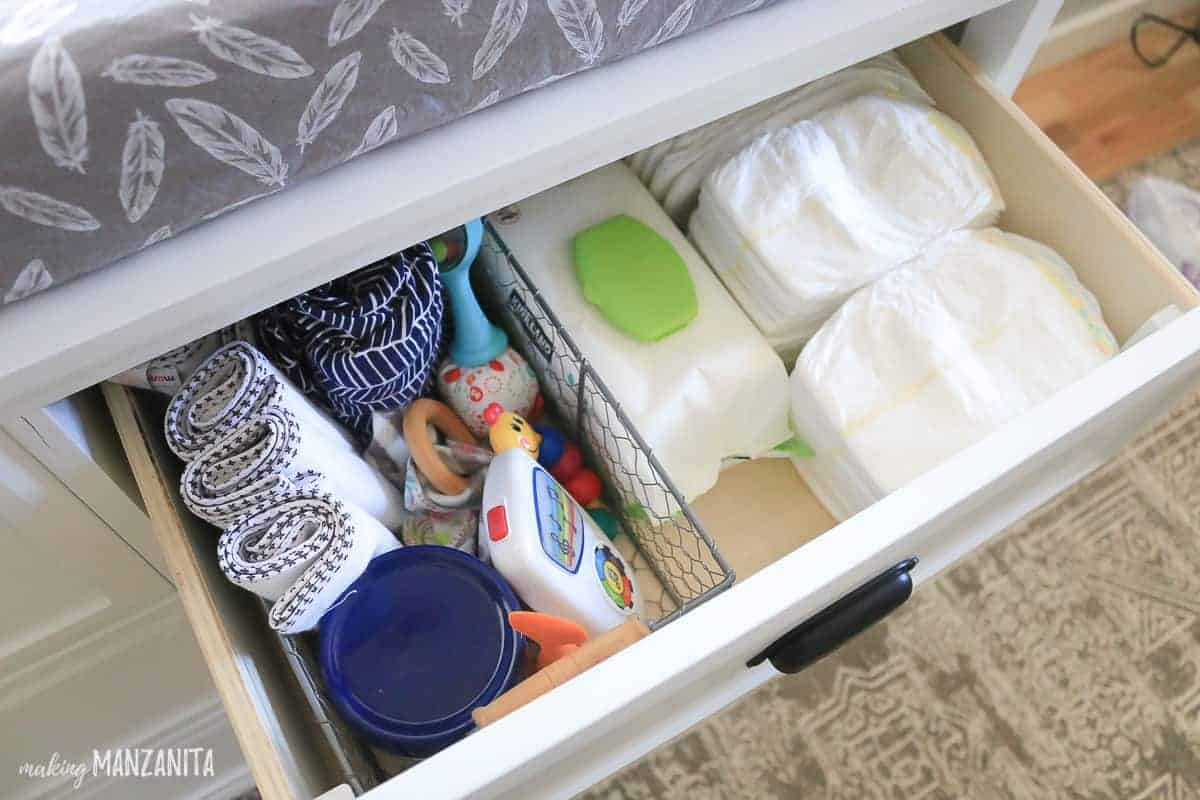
710, 391
363, 342
809, 213
936, 355
301, 553
272, 454
673, 170
233, 385
167, 372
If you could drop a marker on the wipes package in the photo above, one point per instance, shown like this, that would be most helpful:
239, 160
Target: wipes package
708, 391
936, 355
805, 215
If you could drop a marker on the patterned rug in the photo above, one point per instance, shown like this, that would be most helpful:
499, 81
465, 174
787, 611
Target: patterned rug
1060, 661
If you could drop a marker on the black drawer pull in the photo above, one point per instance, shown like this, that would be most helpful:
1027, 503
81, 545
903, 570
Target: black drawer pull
837, 624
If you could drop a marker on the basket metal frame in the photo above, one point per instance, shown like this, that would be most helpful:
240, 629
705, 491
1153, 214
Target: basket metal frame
358, 766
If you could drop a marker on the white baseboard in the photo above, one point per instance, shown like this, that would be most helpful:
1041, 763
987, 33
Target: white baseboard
1088, 30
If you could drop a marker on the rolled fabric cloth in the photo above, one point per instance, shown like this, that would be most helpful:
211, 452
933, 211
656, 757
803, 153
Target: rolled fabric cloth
272, 454
301, 553
167, 372
363, 342
233, 385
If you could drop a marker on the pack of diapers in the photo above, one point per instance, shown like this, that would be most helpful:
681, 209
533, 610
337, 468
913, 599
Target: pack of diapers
674, 169
934, 356
805, 215
711, 390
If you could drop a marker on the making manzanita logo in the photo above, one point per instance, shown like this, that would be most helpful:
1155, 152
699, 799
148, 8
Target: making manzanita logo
126, 762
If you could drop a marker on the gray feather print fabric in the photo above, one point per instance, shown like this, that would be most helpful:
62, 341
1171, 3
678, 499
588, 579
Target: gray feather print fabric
125, 122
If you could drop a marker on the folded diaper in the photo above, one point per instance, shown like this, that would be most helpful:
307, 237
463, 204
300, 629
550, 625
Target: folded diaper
803, 216
272, 454
708, 391
233, 385
301, 553
673, 170
364, 342
936, 355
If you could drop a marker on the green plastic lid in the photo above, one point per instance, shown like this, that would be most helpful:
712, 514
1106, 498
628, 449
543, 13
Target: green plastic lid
635, 278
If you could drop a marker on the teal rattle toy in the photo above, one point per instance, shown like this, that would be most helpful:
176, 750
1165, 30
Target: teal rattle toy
481, 372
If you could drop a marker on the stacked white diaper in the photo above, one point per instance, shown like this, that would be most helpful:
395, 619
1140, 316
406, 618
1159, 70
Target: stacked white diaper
673, 170
303, 512
807, 214
936, 355
712, 390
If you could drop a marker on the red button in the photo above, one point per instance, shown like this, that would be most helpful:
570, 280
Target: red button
497, 522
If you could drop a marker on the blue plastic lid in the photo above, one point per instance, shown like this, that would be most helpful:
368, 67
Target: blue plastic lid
416, 643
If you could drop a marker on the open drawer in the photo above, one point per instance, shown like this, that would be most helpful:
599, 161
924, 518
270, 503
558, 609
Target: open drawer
791, 559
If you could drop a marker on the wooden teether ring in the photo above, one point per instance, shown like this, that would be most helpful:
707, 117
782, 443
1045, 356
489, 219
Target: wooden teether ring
420, 415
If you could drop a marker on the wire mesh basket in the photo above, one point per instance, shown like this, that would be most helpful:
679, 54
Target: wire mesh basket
677, 563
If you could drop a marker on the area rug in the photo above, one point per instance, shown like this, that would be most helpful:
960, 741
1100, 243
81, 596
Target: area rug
1060, 661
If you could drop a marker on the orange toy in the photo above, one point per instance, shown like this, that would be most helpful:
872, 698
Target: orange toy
555, 636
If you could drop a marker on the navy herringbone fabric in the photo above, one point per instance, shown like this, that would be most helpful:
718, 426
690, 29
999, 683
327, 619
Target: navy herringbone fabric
364, 342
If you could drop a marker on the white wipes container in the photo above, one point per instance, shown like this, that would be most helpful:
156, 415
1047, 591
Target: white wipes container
710, 391
935, 356
549, 549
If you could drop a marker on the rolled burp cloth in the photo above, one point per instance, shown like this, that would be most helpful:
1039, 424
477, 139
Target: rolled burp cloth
167, 372
274, 453
301, 553
233, 385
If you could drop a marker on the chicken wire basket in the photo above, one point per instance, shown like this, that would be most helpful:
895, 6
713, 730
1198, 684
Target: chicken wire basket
677, 564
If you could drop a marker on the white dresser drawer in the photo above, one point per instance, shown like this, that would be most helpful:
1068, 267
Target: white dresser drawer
792, 560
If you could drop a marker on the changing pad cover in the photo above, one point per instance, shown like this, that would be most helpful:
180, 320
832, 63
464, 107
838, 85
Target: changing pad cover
936, 355
712, 390
126, 122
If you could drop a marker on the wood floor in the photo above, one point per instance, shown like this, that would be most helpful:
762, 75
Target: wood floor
1108, 111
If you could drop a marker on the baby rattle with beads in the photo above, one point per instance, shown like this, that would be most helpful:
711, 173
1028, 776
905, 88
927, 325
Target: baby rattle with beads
561, 458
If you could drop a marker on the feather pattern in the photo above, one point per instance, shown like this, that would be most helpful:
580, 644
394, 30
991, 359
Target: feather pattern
230, 139
328, 99
675, 24
381, 130
30, 280
456, 10
162, 233
59, 110
237, 204
629, 12
158, 71
142, 162
491, 98
249, 50
417, 59
350, 17
46, 210
33, 19
507, 19
580, 23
